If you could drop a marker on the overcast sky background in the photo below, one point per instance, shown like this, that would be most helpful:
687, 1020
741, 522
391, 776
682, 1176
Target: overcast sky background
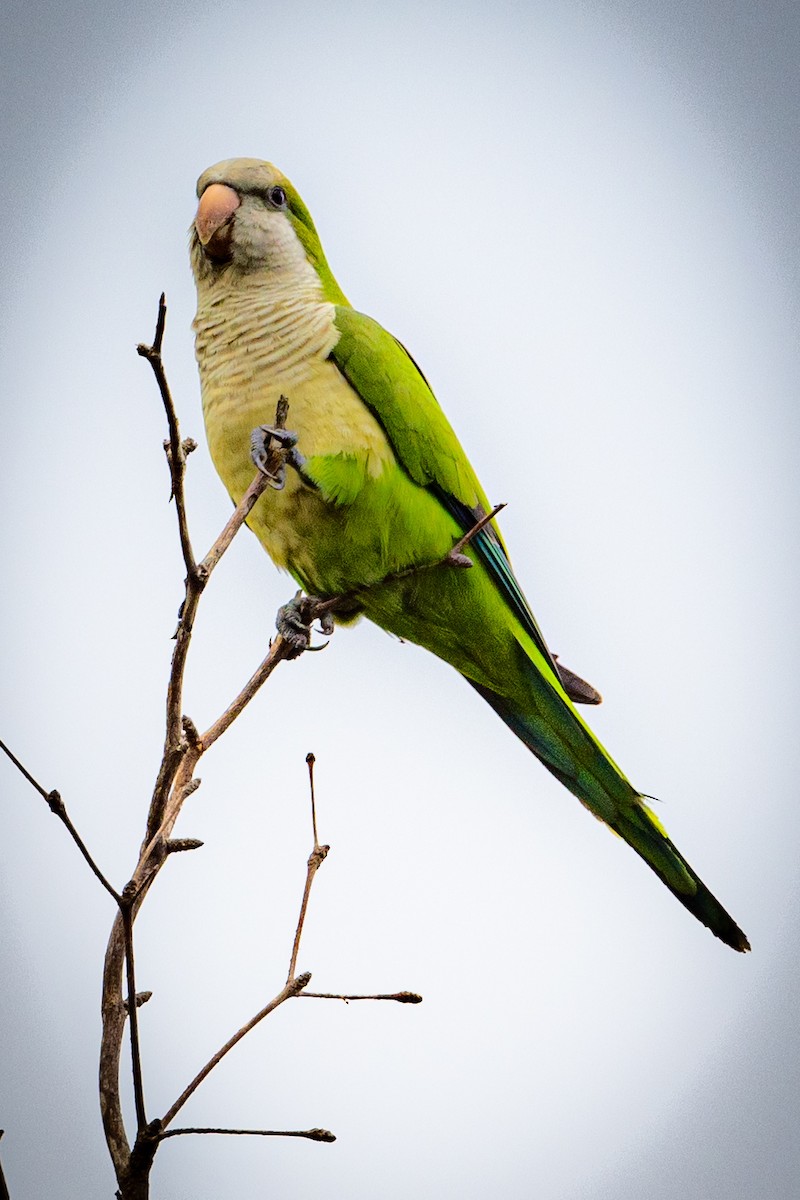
582, 220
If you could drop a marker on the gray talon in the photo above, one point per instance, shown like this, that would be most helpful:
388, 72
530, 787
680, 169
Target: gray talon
271, 445
326, 624
294, 624
284, 437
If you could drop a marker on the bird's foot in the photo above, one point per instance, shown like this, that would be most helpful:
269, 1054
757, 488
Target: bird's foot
272, 449
295, 622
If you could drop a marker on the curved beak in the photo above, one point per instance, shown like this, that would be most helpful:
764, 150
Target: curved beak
214, 220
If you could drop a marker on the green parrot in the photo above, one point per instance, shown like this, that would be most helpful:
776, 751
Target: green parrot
377, 490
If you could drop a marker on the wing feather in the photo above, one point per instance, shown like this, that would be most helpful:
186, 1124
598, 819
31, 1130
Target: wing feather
393, 387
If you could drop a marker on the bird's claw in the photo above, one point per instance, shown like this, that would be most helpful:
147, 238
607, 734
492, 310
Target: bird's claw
272, 459
285, 438
295, 622
326, 624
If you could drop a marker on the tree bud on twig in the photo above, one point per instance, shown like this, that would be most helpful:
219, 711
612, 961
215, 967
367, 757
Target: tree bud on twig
177, 845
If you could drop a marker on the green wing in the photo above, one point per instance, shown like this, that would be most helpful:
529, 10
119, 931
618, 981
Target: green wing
389, 382
393, 387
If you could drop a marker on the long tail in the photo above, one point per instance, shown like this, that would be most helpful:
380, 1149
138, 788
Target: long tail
565, 745
642, 830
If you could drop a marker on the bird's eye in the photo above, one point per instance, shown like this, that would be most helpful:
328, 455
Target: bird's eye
277, 197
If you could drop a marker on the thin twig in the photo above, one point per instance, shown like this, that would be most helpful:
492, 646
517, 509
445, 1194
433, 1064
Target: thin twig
240, 515
279, 651
133, 1016
256, 489
485, 520
292, 988
175, 743
315, 861
56, 805
400, 997
34, 783
310, 760
314, 1135
177, 453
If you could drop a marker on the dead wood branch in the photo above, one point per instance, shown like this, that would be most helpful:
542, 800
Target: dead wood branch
313, 1135
400, 997
291, 988
57, 806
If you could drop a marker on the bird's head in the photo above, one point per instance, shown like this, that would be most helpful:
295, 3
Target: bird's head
251, 221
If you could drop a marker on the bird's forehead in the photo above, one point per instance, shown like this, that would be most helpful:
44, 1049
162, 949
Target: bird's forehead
245, 174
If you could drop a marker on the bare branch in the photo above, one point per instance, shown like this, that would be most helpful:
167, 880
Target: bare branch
177, 450
293, 987
400, 997
114, 1012
279, 651
240, 514
56, 805
33, 782
178, 737
315, 861
310, 760
314, 1135
133, 1012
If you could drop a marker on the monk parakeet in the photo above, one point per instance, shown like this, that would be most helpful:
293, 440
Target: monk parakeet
377, 489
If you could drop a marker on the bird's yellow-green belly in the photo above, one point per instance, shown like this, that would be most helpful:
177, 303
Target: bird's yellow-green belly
294, 525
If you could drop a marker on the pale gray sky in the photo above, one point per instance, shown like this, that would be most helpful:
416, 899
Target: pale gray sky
582, 220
